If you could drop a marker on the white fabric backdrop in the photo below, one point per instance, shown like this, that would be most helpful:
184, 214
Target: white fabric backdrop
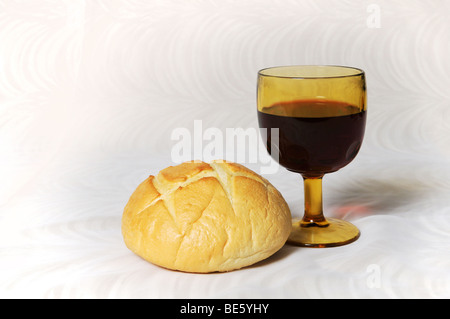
91, 91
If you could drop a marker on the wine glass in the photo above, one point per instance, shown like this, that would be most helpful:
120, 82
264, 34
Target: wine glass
319, 113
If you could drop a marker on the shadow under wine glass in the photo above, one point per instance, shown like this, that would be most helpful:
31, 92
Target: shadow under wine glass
320, 114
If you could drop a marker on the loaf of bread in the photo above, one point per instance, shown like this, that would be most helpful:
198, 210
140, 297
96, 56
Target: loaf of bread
200, 217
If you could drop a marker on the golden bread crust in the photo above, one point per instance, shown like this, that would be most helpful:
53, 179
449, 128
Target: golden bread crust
200, 217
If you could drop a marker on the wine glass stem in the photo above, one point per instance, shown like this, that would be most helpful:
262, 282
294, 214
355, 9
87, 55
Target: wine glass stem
313, 202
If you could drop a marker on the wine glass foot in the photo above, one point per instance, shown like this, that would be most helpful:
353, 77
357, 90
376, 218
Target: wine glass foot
337, 233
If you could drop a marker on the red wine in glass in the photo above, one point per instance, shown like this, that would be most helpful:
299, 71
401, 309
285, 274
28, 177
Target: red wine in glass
316, 136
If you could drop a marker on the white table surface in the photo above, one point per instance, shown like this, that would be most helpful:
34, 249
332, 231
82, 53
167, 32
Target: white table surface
90, 93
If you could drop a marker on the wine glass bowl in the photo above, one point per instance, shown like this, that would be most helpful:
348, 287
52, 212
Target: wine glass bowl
319, 113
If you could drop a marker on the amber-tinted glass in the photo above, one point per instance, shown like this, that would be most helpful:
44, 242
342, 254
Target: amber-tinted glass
320, 113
